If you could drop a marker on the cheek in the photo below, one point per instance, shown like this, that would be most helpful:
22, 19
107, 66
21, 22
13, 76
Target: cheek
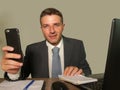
45, 33
60, 31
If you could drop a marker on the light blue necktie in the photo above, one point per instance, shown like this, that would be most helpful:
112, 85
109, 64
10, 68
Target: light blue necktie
56, 64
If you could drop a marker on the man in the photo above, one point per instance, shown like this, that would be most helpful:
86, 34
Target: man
38, 56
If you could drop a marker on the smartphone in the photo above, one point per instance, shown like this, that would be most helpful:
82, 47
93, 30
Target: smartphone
13, 39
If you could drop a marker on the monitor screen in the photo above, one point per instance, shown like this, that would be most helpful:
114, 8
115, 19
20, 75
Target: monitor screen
112, 70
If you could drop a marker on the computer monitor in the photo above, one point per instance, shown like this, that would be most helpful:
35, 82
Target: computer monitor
111, 79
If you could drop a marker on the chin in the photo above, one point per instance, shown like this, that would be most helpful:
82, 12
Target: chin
54, 43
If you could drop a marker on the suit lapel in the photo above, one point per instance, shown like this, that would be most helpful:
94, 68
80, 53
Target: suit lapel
67, 54
67, 51
45, 58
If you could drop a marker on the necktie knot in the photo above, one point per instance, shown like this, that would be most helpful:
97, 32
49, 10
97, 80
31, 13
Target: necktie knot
55, 50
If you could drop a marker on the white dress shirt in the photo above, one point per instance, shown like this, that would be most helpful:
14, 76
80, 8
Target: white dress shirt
61, 53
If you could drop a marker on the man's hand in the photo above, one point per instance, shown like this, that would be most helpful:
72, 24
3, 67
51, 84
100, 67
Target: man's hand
9, 65
72, 70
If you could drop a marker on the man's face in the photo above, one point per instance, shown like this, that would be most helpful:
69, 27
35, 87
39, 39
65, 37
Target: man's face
52, 28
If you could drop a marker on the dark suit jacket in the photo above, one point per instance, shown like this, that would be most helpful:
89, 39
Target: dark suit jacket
36, 58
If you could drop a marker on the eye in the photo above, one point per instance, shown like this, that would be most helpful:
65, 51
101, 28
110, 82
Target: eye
45, 26
57, 24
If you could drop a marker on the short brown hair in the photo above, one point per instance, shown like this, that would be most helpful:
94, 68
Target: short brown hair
51, 11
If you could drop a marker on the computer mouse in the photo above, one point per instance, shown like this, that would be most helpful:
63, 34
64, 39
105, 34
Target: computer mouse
59, 86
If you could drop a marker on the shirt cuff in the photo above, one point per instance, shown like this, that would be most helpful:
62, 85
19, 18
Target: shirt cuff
14, 76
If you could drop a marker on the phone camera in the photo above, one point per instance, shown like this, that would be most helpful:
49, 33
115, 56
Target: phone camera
7, 31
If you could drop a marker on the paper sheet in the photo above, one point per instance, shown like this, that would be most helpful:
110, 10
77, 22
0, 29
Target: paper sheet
20, 85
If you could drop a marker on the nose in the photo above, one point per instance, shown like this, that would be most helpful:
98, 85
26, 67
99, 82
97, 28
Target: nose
52, 30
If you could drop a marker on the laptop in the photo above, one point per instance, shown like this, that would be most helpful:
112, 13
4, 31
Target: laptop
111, 79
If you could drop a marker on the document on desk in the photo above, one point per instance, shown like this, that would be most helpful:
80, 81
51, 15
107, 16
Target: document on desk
78, 79
22, 85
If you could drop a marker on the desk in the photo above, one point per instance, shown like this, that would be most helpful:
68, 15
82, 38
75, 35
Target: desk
90, 86
49, 81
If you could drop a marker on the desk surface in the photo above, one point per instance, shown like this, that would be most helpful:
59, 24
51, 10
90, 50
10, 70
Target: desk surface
49, 81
